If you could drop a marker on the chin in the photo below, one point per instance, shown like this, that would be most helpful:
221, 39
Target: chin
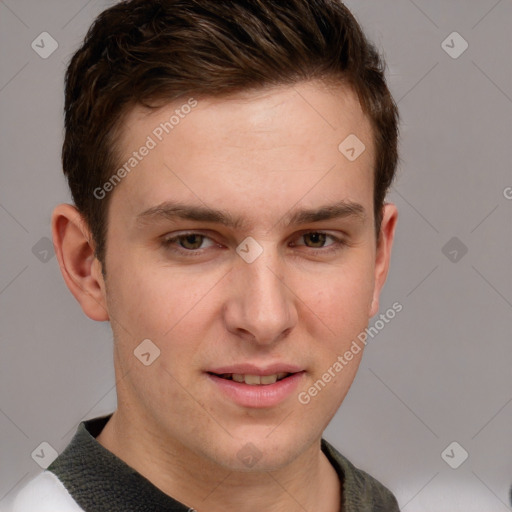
259, 452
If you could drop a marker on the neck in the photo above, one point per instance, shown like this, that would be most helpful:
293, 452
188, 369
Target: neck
309, 483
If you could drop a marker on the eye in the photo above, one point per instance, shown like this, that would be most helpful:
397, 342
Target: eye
186, 243
317, 240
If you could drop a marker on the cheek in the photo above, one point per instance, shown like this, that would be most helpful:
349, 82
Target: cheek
342, 298
154, 299
169, 307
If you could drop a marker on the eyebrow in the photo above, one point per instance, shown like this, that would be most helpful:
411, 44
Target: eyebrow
171, 210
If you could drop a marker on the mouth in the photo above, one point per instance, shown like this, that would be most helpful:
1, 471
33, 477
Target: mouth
254, 386
253, 380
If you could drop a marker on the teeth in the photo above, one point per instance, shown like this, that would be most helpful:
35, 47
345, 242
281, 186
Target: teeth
255, 380
268, 379
252, 380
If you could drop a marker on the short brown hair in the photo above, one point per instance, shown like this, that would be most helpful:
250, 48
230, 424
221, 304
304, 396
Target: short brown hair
154, 52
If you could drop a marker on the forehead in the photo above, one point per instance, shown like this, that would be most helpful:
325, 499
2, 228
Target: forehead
325, 110
267, 145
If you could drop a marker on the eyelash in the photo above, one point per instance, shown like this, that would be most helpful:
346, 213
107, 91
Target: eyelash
167, 243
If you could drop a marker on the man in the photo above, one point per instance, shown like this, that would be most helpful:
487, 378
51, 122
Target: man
229, 163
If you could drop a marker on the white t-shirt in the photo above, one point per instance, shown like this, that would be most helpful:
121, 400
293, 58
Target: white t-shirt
44, 493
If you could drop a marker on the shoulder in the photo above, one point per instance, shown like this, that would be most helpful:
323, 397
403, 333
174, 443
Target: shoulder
362, 492
365, 491
44, 493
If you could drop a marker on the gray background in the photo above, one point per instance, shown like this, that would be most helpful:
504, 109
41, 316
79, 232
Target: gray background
441, 371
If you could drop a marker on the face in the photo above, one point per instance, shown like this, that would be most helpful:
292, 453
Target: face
243, 246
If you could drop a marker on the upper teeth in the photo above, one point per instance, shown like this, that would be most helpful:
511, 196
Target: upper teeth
254, 380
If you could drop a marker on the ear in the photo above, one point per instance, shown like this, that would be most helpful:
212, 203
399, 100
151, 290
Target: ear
383, 252
79, 266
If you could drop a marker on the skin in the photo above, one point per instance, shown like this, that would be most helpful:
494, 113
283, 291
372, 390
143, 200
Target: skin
259, 156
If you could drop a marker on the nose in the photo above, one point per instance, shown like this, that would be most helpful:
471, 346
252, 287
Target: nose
260, 307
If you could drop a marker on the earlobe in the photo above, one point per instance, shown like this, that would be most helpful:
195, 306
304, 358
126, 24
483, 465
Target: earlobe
78, 264
383, 252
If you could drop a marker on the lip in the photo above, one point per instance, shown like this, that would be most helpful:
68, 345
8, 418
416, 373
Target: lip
251, 369
258, 396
